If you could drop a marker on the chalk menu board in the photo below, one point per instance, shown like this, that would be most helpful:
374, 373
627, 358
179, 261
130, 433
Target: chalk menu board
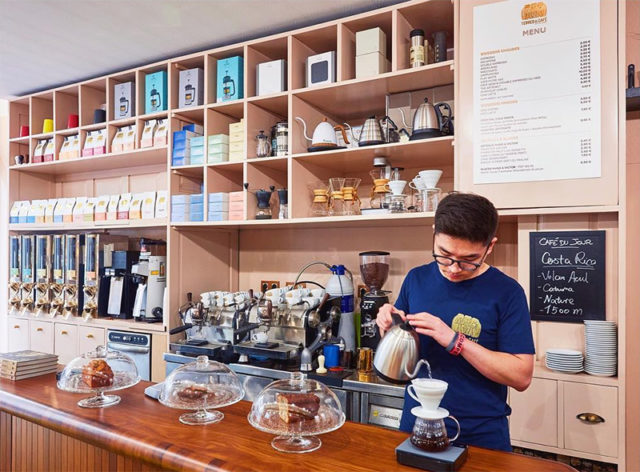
567, 276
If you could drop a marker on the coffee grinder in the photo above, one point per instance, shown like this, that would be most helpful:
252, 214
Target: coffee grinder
374, 269
15, 280
151, 275
43, 275
27, 272
73, 274
57, 275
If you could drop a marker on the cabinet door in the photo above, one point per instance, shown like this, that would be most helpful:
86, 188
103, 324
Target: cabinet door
89, 338
593, 437
66, 342
41, 336
18, 334
535, 413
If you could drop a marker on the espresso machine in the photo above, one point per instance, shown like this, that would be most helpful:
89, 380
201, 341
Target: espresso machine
43, 275
57, 275
374, 269
151, 276
27, 273
73, 274
15, 280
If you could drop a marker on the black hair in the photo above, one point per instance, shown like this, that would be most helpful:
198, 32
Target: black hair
467, 216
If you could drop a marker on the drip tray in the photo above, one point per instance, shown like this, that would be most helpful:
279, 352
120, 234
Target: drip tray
280, 351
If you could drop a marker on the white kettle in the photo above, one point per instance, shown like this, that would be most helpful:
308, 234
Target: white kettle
324, 136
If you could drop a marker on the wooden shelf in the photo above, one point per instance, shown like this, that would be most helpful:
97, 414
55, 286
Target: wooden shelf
110, 323
68, 132
94, 126
358, 98
271, 162
233, 108
435, 152
227, 165
20, 139
139, 157
541, 371
154, 116
633, 99
194, 170
100, 225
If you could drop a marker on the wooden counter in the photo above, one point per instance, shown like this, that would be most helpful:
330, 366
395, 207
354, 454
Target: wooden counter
42, 428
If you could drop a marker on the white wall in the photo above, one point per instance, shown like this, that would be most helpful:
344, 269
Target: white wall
4, 220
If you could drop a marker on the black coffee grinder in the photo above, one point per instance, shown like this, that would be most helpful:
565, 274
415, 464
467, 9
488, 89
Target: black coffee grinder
374, 269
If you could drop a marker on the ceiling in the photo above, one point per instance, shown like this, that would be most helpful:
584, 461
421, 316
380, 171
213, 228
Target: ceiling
48, 43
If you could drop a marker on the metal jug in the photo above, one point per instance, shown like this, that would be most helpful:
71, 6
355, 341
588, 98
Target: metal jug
397, 359
428, 120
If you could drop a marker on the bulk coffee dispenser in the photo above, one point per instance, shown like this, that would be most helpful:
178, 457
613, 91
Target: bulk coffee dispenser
374, 269
43, 275
27, 272
15, 281
57, 275
73, 274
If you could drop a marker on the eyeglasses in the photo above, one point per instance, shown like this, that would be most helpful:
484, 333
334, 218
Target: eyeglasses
464, 265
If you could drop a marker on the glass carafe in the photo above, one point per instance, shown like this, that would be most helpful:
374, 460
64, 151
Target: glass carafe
320, 202
336, 201
350, 196
430, 434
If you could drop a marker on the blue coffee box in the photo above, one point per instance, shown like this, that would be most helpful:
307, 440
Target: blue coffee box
155, 92
196, 198
230, 79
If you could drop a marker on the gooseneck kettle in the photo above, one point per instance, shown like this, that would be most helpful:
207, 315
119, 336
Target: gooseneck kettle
397, 359
429, 121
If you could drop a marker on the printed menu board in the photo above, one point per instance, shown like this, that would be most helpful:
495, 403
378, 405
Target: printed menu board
567, 281
536, 91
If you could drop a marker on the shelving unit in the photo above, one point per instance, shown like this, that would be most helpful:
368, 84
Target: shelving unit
233, 255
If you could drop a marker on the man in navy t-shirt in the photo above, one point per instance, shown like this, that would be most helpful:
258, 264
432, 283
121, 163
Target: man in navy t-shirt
473, 322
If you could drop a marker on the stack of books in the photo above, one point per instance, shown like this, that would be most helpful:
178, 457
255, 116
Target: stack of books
24, 364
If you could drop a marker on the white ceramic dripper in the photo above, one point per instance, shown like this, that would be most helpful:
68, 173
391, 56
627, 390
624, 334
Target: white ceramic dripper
430, 178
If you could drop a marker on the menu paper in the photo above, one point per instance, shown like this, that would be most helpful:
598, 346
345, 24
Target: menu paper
567, 276
536, 91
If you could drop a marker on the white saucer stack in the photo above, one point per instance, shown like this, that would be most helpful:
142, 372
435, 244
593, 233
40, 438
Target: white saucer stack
601, 343
564, 360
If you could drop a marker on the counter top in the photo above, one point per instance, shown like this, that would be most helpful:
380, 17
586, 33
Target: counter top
142, 428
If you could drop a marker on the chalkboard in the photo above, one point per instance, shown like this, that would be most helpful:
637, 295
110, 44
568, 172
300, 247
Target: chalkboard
567, 276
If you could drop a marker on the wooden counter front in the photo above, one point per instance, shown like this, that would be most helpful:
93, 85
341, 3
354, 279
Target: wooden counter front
42, 428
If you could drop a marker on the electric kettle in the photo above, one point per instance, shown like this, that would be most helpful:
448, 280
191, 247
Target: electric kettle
428, 120
397, 359
371, 132
324, 136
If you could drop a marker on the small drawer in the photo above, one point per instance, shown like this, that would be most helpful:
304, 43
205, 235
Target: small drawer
66, 342
89, 338
18, 334
41, 336
598, 432
534, 416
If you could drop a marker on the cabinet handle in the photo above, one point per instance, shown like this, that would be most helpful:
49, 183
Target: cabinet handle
63, 332
90, 335
38, 329
590, 418
16, 326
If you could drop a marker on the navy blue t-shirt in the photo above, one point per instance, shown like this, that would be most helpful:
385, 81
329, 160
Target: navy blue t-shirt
490, 309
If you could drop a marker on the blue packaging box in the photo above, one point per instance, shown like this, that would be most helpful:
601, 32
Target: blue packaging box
179, 218
197, 129
155, 92
197, 141
13, 219
197, 160
218, 216
179, 199
218, 197
57, 218
178, 161
196, 208
181, 139
197, 152
196, 217
219, 206
230, 79
31, 219
180, 153
196, 198
22, 219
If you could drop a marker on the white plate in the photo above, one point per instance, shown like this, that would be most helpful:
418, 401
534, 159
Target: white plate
564, 352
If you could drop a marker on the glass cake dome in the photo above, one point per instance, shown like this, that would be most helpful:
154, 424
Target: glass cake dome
97, 372
296, 409
200, 385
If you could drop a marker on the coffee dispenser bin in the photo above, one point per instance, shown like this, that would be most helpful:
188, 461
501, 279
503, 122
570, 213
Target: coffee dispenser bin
27, 272
15, 280
43, 275
57, 275
73, 274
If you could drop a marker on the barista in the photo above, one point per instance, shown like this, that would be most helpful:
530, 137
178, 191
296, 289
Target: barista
473, 322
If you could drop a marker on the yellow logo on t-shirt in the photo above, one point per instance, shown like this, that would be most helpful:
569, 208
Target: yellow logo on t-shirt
467, 325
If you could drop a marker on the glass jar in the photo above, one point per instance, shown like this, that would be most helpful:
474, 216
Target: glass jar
427, 200
429, 431
263, 146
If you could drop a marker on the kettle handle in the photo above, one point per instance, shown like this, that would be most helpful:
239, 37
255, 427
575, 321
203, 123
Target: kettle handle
441, 117
344, 134
396, 319
388, 118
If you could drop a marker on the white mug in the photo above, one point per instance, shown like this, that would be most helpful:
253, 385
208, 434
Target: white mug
260, 337
428, 392
417, 183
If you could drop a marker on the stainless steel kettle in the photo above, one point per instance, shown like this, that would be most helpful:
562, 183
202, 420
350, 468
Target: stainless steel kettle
370, 134
397, 359
428, 120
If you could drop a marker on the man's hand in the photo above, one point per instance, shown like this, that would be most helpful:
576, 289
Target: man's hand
432, 326
384, 320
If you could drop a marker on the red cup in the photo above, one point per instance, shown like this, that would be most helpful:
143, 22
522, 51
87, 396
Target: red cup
72, 121
24, 131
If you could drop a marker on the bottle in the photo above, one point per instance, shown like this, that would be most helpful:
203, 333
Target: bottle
416, 53
341, 285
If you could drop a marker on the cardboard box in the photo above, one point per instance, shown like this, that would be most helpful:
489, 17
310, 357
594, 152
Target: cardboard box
194, 128
321, 68
49, 151
67, 212
70, 148
23, 214
161, 204
230, 79
371, 40
196, 141
147, 139
100, 142
236, 196
112, 208
123, 206
38, 153
161, 134
191, 88
218, 216
236, 127
155, 92
237, 137
87, 149
215, 157
236, 147
58, 211
219, 206
129, 139
218, 139
124, 102
49, 209
236, 206
236, 215
218, 148
149, 205
102, 204
78, 209
271, 77
135, 210
236, 156
371, 64
89, 209
179, 199
36, 212
218, 197
118, 138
